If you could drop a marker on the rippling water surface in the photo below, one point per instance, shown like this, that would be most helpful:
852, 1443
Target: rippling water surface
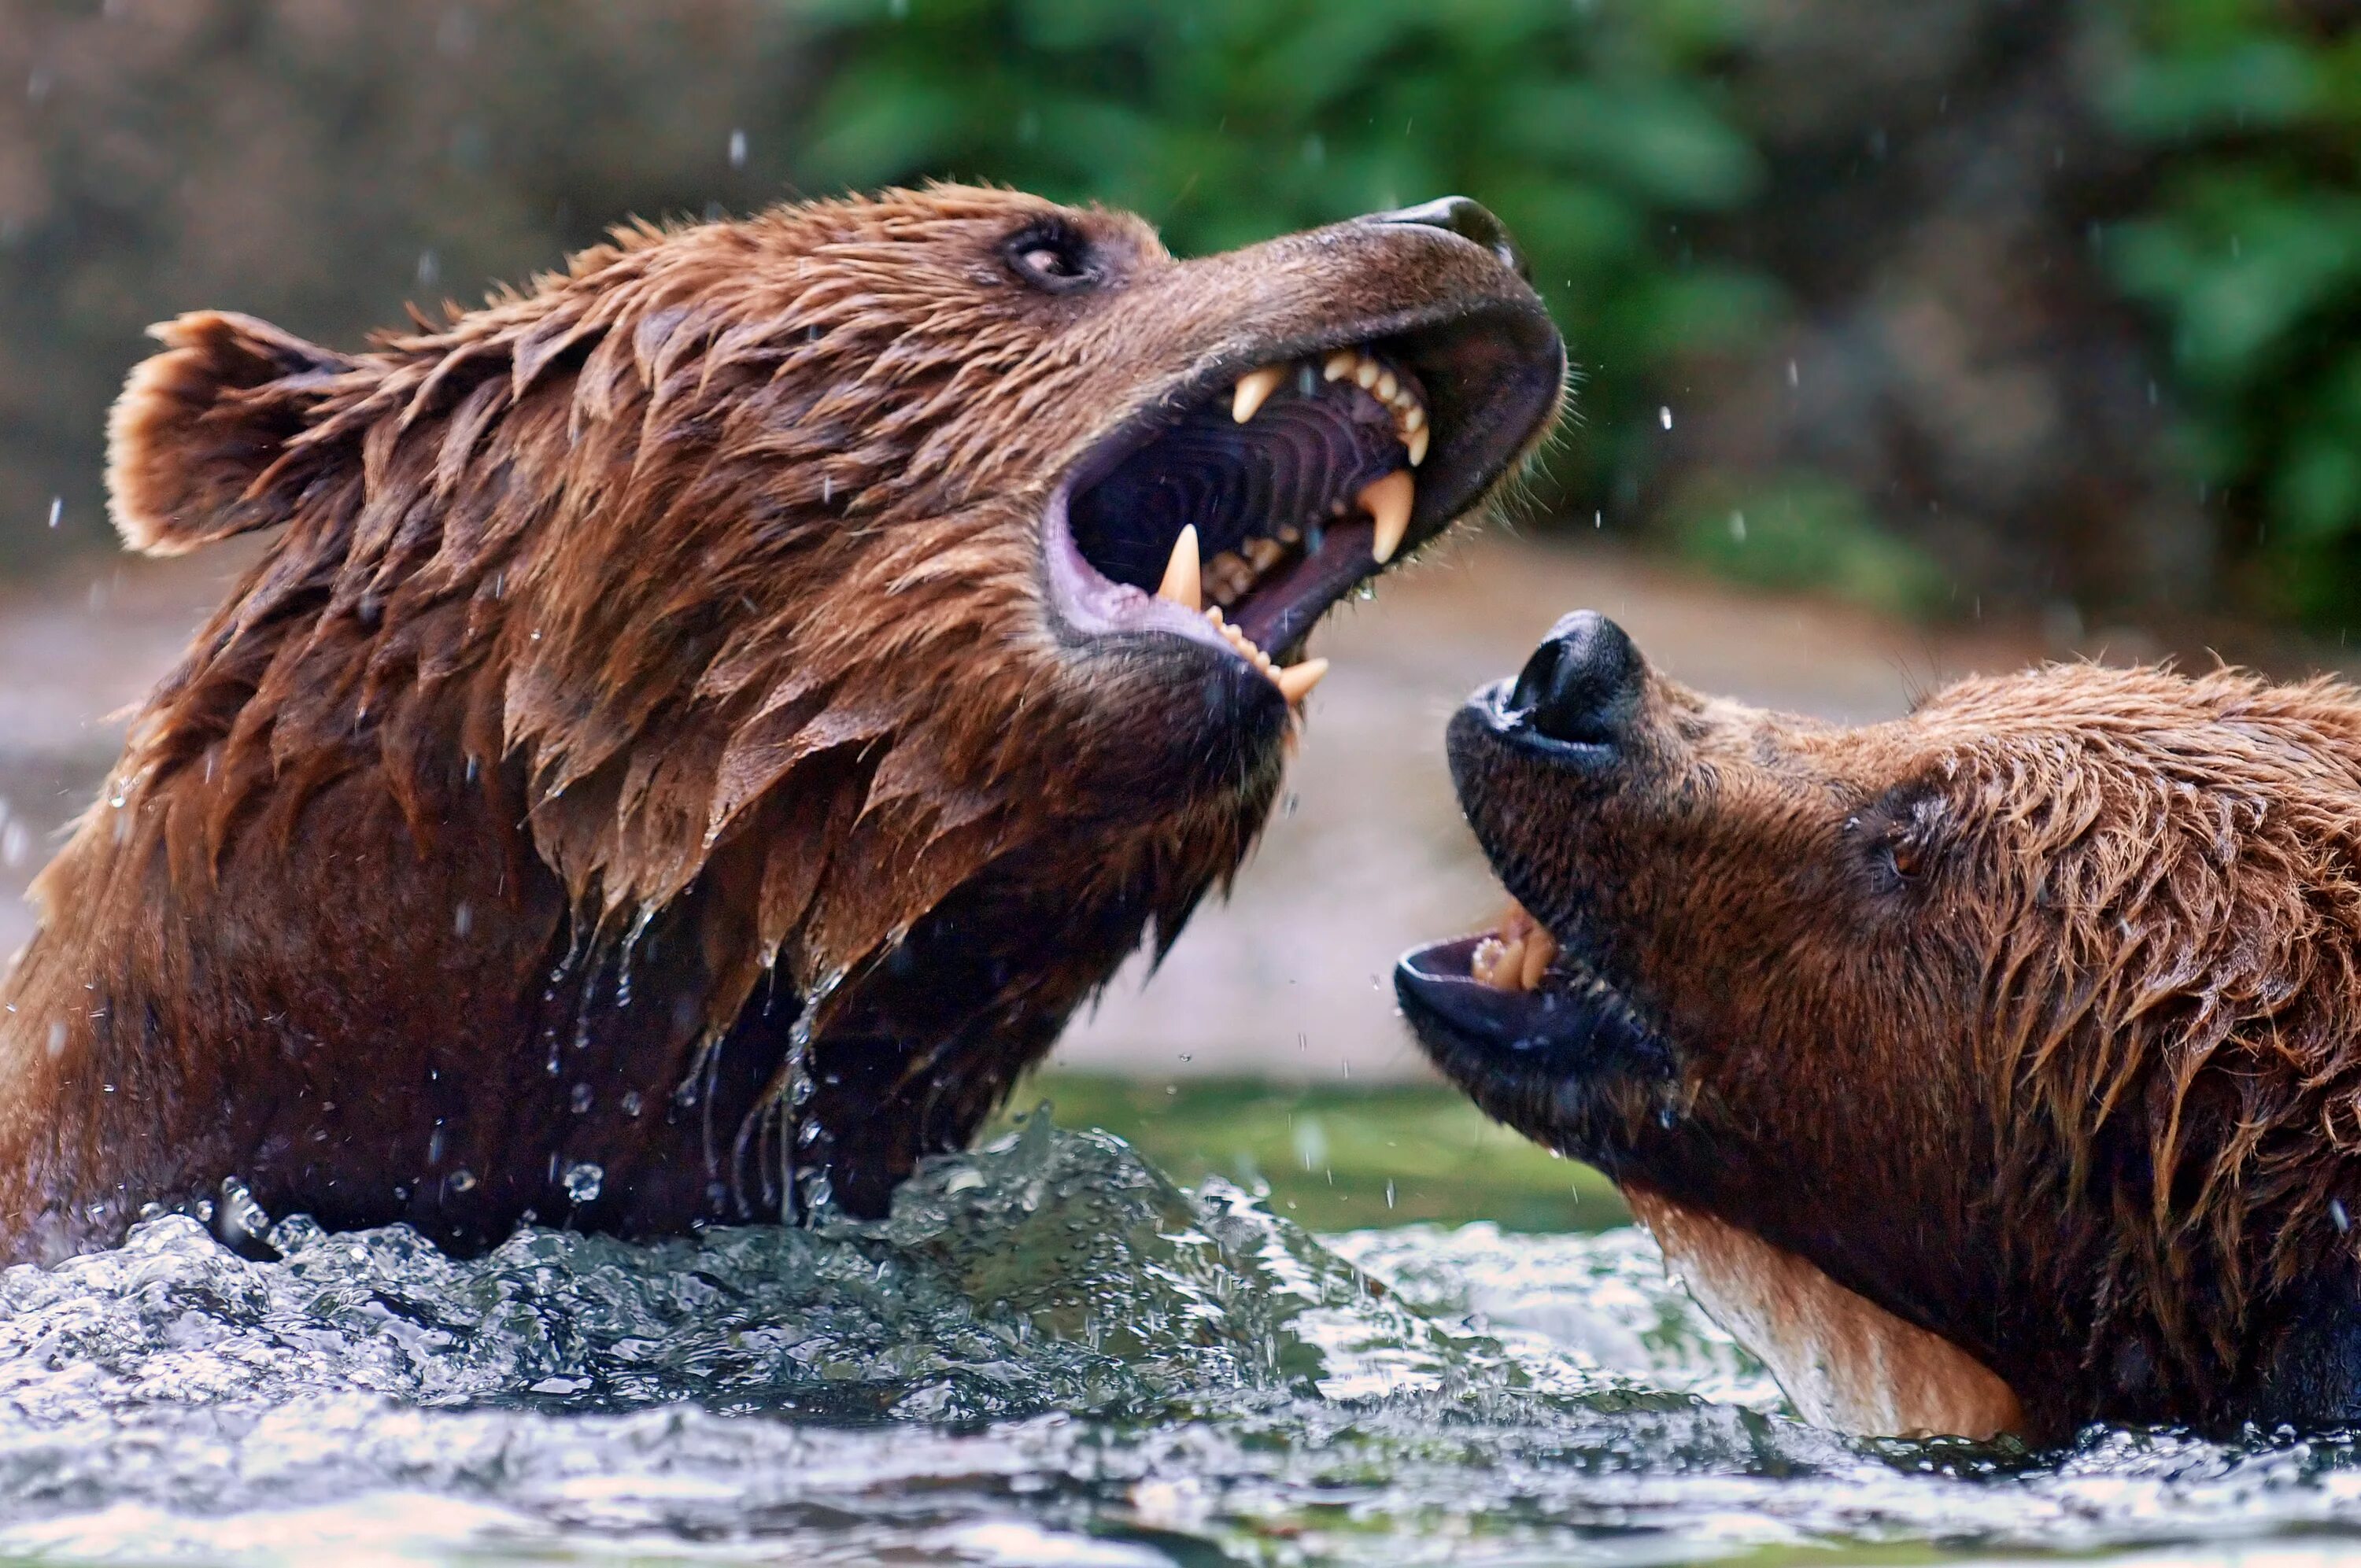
1049, 1354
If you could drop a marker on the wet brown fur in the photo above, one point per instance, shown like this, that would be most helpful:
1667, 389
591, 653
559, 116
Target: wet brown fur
2033, 1016
646, 735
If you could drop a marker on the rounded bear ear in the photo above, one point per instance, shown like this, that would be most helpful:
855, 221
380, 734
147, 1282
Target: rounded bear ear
192, 441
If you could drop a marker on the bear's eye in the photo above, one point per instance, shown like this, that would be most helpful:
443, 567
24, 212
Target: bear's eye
1054, 259
1907, 856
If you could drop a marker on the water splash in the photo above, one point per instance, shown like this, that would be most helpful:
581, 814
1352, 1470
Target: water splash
1047, 1353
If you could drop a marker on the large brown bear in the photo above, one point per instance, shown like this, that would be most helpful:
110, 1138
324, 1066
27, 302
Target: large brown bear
1997, 1067
705, 721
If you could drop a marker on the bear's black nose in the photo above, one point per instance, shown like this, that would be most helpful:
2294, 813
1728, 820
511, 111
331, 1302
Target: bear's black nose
1582, 684
1467, 219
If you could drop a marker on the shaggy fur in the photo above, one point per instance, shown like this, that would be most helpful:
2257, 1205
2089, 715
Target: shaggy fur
2032, 1017
644, 773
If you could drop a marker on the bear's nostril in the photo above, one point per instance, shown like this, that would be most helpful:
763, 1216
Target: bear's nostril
1582, 684
1469, 220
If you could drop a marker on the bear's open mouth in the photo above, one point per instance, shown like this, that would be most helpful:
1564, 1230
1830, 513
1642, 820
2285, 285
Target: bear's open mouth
1511, 1007
1273, 492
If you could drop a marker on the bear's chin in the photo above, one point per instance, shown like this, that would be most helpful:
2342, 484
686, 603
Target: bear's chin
1540, 1039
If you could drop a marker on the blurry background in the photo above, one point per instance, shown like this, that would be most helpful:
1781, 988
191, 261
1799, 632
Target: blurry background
1912, 338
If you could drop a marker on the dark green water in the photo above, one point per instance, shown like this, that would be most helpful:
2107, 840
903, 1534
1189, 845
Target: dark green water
1050, 1354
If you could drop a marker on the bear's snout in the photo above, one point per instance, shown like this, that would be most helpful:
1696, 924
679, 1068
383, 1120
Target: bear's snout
1581, 687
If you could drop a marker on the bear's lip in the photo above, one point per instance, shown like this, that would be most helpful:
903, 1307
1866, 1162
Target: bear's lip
1563, 1024
1486, 377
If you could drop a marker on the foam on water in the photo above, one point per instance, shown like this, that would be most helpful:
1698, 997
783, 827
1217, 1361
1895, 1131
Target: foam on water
1049, 1354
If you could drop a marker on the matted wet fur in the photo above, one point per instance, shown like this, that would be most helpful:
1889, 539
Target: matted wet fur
647, 771
2031, 1018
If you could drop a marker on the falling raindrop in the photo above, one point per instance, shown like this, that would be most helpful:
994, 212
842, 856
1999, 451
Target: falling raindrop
1665, 417
57, 509
736, 149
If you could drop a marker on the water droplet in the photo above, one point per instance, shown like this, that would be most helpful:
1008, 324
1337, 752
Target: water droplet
580, 1099
736, 149
1665, 417
461, 1181
583, 1181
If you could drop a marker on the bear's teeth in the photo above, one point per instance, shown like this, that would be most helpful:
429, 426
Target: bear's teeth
1183, 580
1516, 955
1254, 390
1294, 683
1388, 500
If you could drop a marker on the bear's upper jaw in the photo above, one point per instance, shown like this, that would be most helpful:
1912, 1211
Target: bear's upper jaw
1238, 521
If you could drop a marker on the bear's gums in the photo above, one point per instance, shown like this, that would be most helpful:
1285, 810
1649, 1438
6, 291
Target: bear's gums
1991, 1068
705, 720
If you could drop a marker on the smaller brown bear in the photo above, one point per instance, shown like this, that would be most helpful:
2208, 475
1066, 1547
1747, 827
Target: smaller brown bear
1994, 1069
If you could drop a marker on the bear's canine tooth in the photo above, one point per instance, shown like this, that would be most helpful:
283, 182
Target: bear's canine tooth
1296, 681
1338, 366
1387, 500
1417, 444
1183, 581
1254, 389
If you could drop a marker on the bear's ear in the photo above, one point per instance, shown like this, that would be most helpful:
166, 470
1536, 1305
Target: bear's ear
200, 425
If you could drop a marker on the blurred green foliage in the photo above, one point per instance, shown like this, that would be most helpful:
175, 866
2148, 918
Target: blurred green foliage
1594, 130
2249, 250
1804, 533
1942, 211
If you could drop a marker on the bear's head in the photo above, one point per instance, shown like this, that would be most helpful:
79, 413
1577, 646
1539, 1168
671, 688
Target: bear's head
894, 603
2023, 1026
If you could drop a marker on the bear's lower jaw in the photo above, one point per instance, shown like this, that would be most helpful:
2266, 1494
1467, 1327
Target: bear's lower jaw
1512, 1002
1538, 1038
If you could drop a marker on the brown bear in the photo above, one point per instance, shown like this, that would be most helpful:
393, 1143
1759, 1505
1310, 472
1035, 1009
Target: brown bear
705, 720
1994, 1069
